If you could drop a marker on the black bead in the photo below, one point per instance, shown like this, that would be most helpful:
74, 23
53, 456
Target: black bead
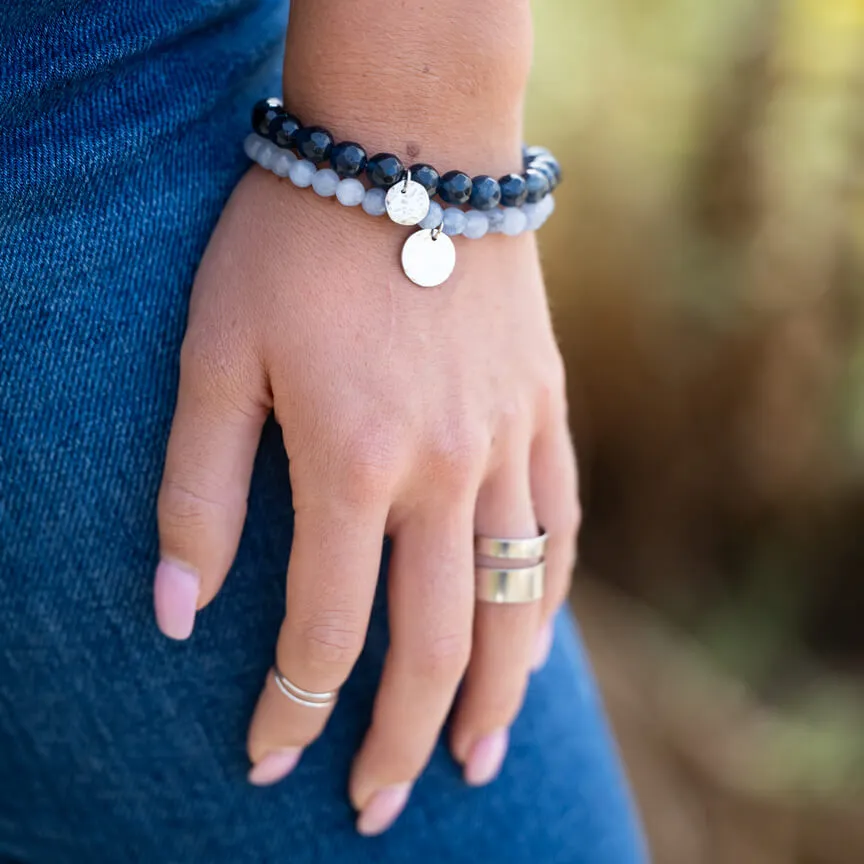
283, 128
455, 187
485, 192
529, 154
313, 143
538, 185
263, 113
514, 190
426, 176
348, 159
384, 169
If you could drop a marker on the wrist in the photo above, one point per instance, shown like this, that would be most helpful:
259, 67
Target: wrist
453, 98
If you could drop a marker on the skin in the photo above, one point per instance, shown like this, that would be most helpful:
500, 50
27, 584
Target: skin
426, 415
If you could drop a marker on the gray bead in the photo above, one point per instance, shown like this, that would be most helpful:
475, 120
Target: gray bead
283, 162
514, 222
267, 154
302, 173
325, 182
476, 224
533, 216
454, 221
251, 145
373, 202
496, 220
434, 217
350, 192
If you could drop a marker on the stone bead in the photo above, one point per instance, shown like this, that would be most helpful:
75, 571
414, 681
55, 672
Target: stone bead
496, 220
314, 143
485, 192
514, 190
267, 154
538, 185
283, 128
283, 162
384, 170
251, 145
348, 159
476, 224
434, 217
373, 202
529, 154
302, 172
263, 113
533, 216
454, 221
350, 192
325, 182
550, 170
514, 222
455, 187
426, 176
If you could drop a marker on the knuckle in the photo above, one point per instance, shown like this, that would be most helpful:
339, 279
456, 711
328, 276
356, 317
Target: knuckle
331, 639
444, 658
369, 472
457, 456
181, 507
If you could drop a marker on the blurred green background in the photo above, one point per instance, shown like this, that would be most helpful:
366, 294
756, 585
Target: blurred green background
706, 270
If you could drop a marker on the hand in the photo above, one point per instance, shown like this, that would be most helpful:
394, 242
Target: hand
426, 414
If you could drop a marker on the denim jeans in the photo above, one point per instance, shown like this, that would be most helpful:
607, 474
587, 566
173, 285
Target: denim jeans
122, 124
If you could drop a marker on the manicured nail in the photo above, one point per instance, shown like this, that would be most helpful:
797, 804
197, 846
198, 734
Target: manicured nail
487, 755
275, 766
175, 596
383, 808
542, 647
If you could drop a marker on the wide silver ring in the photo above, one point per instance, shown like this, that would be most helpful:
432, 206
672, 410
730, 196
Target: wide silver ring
511, 549
510, 585
303, 697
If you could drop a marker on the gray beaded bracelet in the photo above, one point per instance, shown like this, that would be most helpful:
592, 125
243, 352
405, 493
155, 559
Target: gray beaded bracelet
426, 260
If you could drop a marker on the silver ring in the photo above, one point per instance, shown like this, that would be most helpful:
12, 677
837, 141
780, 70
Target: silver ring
511, 549
510, 585
303, 697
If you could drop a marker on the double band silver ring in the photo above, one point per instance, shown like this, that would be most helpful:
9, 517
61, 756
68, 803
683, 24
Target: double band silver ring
306, 698
511, 549
510, 584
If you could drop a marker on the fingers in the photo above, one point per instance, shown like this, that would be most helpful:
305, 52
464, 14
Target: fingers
556, 505
333, 569
504, 633
431, 605
208, 466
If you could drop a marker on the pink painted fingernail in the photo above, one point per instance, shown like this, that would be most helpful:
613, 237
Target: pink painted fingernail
486, 757
175, 596
383, 808
542, 647
275, 766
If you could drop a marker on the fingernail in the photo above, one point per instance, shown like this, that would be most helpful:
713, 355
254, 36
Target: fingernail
486, 757
275, 766
383, 808
175, 596
542, 647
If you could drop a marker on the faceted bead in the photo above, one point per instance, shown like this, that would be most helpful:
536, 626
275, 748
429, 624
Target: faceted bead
283, 128
455, 187
538, 185
514, 222
496, 220
384, 169
314, 143
302, 173
550, 169
426, 176
373, 202
283, 162
454, 221
476, 224
514, 190
529, 154
325, 182
350, 192
485, 192
263, 113
348, 159
434, 217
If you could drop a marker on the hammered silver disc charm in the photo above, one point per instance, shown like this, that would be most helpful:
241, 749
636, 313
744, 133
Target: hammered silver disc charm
407, 202
428, 257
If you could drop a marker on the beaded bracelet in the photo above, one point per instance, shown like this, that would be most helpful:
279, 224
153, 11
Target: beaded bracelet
405, 194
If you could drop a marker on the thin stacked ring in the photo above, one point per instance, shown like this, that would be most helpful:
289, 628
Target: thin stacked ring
306, 698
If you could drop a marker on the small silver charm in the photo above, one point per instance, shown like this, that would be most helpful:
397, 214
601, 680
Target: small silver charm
428, 257
407, 202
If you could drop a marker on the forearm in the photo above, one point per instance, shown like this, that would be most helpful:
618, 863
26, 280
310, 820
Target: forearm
440, 81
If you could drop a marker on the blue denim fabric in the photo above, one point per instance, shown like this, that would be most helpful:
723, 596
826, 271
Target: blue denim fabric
121, 127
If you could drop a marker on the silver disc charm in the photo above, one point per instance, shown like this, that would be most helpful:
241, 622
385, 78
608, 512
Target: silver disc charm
407, 202
428, 257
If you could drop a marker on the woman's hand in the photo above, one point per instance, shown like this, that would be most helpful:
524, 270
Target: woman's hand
426, 414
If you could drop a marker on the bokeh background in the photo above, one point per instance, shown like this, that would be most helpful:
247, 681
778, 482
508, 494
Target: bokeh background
706, 269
